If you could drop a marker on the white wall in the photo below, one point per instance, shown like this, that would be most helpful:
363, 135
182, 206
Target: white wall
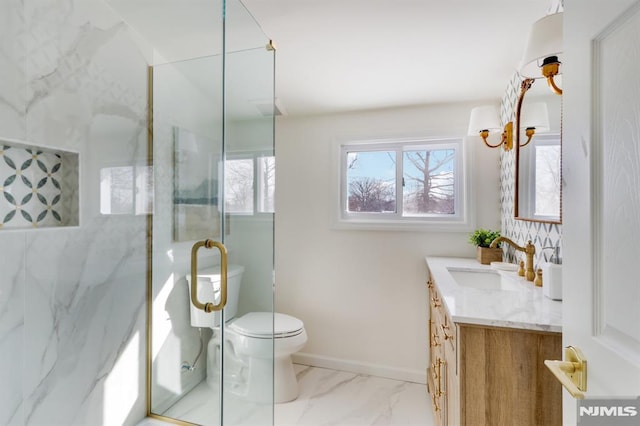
362, 294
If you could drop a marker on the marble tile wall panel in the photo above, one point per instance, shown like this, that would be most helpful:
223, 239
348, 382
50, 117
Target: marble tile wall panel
11, 327
76, 356
12, 64
85, 345
81, 64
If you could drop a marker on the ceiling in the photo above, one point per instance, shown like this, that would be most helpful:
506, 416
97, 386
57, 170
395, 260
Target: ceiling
345, 55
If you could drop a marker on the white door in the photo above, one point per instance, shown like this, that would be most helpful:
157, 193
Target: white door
601, 195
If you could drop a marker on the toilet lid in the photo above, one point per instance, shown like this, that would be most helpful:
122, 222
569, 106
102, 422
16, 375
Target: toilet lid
259, 324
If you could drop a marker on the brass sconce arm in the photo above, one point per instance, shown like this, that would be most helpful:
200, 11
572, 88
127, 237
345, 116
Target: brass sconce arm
530, 131
551, 68
484, 134
507, 137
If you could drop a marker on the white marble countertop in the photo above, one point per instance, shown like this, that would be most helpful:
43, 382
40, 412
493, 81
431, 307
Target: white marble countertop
524, 306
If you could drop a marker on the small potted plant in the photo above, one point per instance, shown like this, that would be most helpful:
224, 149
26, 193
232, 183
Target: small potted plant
481, 238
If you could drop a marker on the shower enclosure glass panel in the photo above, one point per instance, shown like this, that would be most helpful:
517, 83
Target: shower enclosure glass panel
213, 157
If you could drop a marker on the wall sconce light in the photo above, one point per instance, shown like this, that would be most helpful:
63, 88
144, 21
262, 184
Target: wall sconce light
543, 48
484, 120
535, 117
540, 59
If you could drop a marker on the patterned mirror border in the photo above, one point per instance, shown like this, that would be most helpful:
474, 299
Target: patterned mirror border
38, 187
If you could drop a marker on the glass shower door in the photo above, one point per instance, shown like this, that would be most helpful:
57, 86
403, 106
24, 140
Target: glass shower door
213, 158
187, 158
249, 209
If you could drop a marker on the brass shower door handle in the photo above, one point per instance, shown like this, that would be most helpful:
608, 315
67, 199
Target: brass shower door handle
209, 307
572, 372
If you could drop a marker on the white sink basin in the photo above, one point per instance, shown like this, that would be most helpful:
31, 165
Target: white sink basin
483, 280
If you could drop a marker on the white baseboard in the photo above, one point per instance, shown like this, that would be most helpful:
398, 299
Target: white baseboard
414, 376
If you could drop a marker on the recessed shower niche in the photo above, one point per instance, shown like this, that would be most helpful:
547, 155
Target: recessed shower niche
38, 186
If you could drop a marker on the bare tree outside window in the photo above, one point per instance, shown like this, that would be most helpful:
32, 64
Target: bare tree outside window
371, 195
547, 183
428, 177
403, 183
126, 190
238, 186
371, 182
267, 183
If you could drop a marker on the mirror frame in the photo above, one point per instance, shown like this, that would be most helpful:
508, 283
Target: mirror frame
525, 85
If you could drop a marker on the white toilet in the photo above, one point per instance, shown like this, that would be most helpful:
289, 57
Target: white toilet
250, 360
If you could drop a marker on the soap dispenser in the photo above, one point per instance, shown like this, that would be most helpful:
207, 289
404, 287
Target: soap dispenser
552, 273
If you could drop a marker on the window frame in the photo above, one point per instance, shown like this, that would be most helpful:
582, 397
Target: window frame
257, 206
461, 220
140, 184
530, 170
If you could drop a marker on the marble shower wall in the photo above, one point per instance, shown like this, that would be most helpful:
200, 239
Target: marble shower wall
12, 60
72, 324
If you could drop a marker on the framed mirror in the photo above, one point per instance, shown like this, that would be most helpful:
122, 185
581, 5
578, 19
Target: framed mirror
538, 174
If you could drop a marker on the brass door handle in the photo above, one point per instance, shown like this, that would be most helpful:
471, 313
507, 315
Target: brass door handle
208, 306
572, 372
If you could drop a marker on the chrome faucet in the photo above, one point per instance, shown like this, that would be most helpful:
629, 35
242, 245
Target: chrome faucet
529, 250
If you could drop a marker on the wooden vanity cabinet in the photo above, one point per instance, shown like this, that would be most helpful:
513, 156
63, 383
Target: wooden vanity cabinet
441, 372
483, 375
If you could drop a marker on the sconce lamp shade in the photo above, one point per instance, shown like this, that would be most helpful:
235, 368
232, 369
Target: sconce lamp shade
536, 115
484, 118
545, 41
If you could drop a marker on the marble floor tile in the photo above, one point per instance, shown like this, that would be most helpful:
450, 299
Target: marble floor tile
329, 397
326, 397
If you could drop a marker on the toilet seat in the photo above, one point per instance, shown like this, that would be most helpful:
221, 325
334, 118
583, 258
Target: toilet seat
259, 325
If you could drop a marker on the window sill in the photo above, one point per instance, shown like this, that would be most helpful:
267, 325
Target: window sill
402, 225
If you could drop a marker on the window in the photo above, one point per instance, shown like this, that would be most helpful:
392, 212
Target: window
540, 161
406, 182
266, 184
547, 177
238, 186
126, 190
249, 185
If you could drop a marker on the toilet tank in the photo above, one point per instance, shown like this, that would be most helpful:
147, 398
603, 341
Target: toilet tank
209, 291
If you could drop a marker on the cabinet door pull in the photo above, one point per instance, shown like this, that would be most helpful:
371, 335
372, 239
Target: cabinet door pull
435, 341
445, 329
437, 372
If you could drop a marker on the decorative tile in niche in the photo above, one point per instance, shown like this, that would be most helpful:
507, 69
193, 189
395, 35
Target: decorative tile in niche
35, 189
